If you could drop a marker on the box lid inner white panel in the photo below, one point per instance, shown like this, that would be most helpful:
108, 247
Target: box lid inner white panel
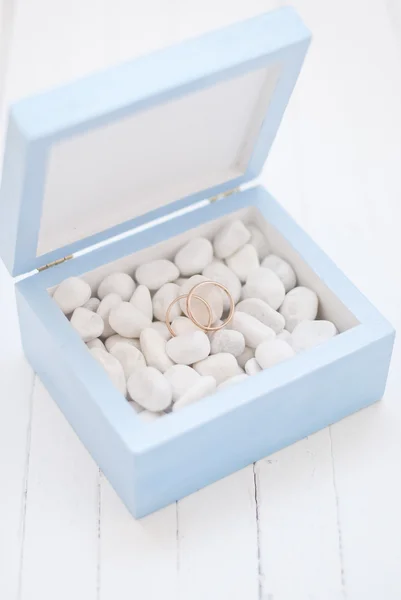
97, 157
111, 174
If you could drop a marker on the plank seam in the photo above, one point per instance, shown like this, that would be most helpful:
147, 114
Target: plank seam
338, 521
25, 484
99, 532
258, 534
177, 538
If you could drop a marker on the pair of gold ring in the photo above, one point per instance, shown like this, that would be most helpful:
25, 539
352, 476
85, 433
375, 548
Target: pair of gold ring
191, 294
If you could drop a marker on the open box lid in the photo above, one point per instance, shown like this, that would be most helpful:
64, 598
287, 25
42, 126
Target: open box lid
97, 157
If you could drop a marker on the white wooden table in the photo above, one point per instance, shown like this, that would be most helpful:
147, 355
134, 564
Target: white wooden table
320, 520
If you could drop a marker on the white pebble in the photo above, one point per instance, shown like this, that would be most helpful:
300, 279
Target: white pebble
252, 367
247, 354
218, 261
117, 283
227, 340
87, 324
163, 298
230, 238
142, 300
188, 348
285, 336
263, 312
181, 378
220, 366
258, 239
181, 280
308, 334
96, 343
243, 261
130, 358
192, 258
149, 417
71, 294
282, 269
300, 304
115, 339
149, 388
205, 386
252, 329
210, 293
272, 352
217, 323
232, 381
153, 347
92, 304
218, 271
156, 273
112, 367
182, 325
263, 283
162, 329
127, 320
106, 305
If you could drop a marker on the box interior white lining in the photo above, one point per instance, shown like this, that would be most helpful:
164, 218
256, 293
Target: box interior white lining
119, 171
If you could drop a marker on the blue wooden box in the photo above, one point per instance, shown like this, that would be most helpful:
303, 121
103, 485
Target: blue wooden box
116, 157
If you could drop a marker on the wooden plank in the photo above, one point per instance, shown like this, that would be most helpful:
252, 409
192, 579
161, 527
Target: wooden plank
52, 44
367, 454
195, 18
347, 97
217, 545
133, 31
138, 558
61, 526
299, 537
351, 114
7, 11
16, 384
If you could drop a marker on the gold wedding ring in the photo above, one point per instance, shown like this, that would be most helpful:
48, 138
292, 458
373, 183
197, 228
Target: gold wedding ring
203, 327
191, 294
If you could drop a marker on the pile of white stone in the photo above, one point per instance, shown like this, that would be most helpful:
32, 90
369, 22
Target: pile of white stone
124, 326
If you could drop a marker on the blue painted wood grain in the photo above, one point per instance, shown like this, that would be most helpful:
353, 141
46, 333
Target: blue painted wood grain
39, 122
151, 465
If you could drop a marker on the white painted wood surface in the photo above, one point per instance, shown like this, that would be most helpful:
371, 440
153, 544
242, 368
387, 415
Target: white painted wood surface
319, 520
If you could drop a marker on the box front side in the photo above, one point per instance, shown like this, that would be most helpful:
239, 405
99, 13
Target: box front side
281, 408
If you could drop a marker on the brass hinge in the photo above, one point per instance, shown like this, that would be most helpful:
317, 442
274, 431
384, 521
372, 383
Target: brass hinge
55, 262
224, 194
